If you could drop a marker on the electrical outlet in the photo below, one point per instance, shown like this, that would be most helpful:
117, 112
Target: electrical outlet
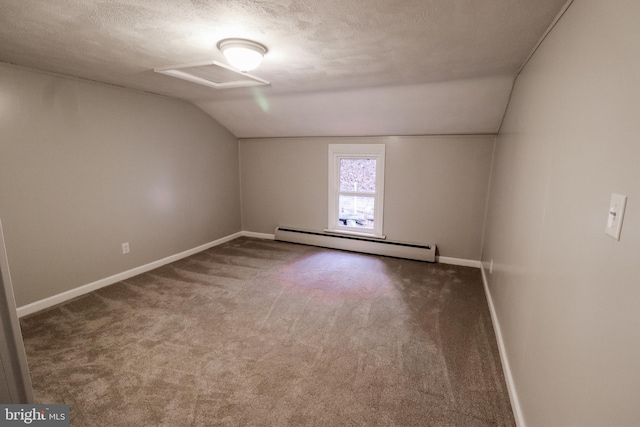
125, 248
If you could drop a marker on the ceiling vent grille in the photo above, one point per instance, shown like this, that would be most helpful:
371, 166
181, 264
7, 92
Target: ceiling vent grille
213, 74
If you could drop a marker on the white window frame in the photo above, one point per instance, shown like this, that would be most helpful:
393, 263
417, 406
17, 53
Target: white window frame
364, 151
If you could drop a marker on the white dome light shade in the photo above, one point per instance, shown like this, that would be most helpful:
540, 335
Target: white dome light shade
245, 55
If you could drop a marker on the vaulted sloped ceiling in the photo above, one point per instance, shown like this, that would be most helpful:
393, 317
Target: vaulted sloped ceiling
336, 67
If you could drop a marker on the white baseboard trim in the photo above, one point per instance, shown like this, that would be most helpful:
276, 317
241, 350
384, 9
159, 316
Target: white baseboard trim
459, 261
84, 289
511, 387
441, 259
258, 235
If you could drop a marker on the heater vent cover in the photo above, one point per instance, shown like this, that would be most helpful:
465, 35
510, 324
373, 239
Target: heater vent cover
213, 74
357, 244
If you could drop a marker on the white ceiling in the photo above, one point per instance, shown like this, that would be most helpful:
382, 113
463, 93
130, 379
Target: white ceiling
336, 67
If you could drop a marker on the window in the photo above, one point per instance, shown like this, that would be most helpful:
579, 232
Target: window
356, 186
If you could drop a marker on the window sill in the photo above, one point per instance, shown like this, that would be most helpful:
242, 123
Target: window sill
356, 233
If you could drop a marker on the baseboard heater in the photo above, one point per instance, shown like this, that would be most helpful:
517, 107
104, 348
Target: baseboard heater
357, 244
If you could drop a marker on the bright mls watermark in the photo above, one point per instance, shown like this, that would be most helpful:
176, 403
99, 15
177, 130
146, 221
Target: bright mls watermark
34, 415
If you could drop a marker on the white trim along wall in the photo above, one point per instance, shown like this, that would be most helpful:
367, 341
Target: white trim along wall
513, 395
85, 289
81, 290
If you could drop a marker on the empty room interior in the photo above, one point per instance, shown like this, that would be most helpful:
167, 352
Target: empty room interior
419, 212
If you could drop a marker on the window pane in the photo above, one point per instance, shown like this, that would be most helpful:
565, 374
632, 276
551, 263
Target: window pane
356, 211
358, 175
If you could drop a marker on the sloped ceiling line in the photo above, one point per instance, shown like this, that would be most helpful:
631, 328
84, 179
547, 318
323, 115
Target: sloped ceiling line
355, 67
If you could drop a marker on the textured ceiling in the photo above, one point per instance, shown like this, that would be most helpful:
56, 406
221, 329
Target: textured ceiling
336, 67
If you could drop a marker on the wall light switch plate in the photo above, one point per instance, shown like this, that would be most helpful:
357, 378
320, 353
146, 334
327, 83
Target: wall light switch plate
615, 216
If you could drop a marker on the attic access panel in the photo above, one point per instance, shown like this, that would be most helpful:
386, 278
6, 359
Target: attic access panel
213, 74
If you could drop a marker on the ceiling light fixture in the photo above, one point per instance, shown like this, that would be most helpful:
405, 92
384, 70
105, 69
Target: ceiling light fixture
245, 55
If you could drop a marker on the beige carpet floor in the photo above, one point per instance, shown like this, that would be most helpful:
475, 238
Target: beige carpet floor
257, 332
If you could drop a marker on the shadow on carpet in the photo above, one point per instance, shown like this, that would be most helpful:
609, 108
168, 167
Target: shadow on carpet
257, 332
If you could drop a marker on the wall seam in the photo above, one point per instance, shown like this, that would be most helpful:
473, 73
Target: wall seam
528, 59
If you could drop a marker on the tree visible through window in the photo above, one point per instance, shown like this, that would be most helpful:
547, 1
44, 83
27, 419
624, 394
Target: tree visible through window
356, 174
356, 207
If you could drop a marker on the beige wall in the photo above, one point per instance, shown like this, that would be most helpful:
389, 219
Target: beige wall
435, 187
85, 167
566, 295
